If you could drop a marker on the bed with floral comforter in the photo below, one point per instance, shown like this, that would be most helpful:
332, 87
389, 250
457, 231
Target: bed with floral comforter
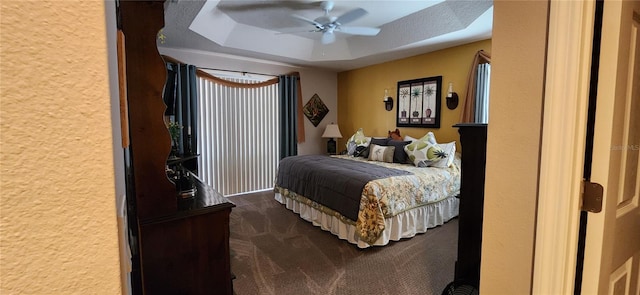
391, 208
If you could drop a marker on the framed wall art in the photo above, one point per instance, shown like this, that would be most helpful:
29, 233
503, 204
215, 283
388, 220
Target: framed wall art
419, 102
315, 110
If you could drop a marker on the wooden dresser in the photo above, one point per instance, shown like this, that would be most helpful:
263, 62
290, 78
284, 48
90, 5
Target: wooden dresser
473, 139
187, 252
178, 247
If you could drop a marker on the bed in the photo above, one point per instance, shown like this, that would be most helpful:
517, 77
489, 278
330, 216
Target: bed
393, 201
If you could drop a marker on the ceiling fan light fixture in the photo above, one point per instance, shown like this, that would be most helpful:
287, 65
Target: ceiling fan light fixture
327, 38
328, 24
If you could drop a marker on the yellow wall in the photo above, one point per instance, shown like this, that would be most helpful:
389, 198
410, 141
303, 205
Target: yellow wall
58, 220
360, 91
513, 146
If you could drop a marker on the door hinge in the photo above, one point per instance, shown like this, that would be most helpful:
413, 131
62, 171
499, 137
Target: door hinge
592, 194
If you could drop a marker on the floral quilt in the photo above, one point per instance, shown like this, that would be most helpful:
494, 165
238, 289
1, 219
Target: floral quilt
387, 197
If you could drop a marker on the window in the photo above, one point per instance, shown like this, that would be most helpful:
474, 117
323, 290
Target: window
239, 136
483, 80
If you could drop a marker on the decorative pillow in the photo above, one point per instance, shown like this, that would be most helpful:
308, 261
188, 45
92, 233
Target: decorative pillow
381, 153
399, 156
361, 151
424, 153
380, 141
430, 138
409, 138
357, 139
376, 141
450, 150
395, 135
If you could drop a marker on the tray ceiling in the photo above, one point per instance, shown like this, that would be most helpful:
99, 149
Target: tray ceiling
254, 29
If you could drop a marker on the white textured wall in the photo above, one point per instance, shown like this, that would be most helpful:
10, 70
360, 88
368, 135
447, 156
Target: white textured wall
58, 224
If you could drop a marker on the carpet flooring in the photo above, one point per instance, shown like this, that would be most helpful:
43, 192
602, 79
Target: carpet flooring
274, 251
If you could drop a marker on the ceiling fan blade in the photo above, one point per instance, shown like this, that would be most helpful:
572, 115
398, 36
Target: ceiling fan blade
328, 38
304, 19
294, 30
364, 31
351, 15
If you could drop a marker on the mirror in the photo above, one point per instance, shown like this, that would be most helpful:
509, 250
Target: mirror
180, 116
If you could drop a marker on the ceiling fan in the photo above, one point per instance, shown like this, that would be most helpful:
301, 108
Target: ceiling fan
328, 24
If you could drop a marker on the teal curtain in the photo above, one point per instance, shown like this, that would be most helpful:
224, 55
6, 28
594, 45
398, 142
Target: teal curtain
288, 89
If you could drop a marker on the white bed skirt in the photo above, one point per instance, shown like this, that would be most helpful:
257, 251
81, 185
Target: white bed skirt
404, 225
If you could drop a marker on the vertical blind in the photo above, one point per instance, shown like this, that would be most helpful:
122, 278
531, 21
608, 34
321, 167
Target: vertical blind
482, 93
239, 136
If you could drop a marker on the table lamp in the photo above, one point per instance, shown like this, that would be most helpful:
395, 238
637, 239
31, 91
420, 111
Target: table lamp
331, 131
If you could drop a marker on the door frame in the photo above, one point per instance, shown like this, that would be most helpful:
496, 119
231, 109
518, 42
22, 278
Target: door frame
569, 46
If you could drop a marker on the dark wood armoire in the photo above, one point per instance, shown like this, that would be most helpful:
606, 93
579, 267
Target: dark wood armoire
473, 139
179, 246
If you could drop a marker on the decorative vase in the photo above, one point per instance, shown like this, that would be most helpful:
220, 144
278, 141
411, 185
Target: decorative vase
174, 149
427, 113
416, 114
403, 114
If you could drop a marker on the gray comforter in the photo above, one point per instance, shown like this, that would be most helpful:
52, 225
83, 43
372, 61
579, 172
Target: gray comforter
333, 182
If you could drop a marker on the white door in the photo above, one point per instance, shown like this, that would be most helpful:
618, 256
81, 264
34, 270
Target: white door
612, 252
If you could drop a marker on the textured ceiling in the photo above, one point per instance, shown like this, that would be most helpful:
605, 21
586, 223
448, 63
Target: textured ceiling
254, 29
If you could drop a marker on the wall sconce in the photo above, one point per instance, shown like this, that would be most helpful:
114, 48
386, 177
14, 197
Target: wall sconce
331, 131
452, 98
388, 101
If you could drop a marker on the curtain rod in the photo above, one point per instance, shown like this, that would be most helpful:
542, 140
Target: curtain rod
171, 59
242, 72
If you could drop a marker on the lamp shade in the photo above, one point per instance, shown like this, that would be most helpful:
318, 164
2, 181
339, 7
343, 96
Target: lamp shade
332, 131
